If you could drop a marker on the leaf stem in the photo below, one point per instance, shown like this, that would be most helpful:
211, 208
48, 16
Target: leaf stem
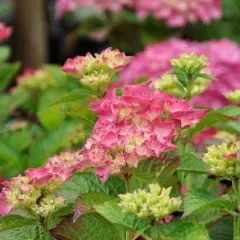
236, 218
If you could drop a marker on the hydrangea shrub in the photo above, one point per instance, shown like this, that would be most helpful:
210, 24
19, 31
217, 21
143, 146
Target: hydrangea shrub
138, 174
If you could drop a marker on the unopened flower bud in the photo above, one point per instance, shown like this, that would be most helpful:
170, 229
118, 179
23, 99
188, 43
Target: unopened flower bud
156, 203
233, 96
169, 84
190, 63
223, 159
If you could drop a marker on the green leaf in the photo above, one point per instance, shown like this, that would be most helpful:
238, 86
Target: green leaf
181, 75
179, 231
50, 144
220, 115
202, 200
21, 139
51, 117
7, 72
222, 230
90, 226
82, 183
9, 161
4, 53
55, 218
191, 163
8, 103
18, 228
206, 76
113, 213
75, 95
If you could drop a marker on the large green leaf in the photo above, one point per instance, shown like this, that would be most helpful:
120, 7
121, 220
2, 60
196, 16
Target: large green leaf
191, 163
155, 170
75, 95
201, 200
7, 72
82, 183
8, 103
179, 231
113, 213
51, 117
21, 139
90, 226
9, 161
18, 228
220, 115
223, 230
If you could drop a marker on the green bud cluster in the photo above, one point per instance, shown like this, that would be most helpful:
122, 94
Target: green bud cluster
233, 96
97, 80
48, 205
39, 80
190, 63
153, 204
169, 84
223, 159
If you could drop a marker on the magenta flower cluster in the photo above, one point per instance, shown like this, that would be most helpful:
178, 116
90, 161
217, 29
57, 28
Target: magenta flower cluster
176, 13
155, 61
140, 124
179, 13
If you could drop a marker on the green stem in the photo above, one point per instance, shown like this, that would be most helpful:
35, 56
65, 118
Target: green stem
128, 189
236, 219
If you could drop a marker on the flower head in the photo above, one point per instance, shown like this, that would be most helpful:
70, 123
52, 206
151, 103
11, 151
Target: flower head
5, 32
190, 64
64, 6
223, 159
140, 124
97, 71
153, 204
233, 96
34, 80
178, 14
36, 191
154, 62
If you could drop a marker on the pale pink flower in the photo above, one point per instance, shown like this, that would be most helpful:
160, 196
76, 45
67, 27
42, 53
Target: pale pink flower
73, 66
178, 13
155, 61
64, 6
24, 191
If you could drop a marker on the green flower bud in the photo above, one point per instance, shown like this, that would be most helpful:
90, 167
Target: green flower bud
223, 159
153, 204
97, 81
190, 63
48, 205
233, 96
169, 84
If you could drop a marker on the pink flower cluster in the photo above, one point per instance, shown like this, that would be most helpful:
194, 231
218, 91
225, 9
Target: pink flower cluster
23, 191
28, 72
112, 60
155, 61
178, 13
64, 6
138, 125
5, 32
